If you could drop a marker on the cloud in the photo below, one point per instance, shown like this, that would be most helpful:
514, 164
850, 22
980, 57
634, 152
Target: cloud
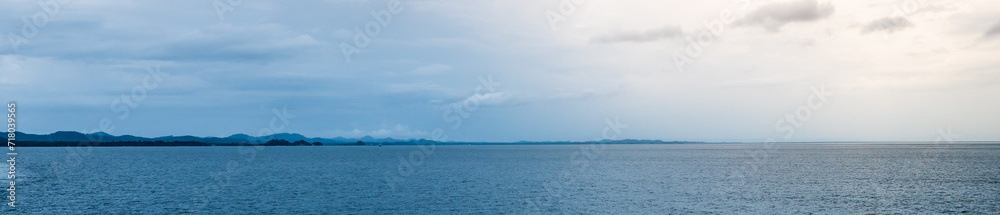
639, 36
994, 31
432, 69
496, 99
96, 41
227, 75
384, 131
775, 15
399, 131
489, 99
887, 24
10, 70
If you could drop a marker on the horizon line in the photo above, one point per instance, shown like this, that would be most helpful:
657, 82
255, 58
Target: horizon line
569, 141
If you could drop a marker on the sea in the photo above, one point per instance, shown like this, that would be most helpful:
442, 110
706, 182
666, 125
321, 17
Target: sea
792, 178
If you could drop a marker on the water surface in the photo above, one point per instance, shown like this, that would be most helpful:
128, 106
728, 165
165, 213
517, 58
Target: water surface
519, 179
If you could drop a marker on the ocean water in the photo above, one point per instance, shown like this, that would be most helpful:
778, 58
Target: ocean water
512, 179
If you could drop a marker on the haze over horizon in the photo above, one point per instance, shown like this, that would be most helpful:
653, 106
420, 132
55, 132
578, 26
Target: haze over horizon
503, 71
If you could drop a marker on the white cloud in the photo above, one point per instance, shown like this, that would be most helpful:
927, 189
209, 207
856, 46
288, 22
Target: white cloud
432, 69
398, 131
489, 99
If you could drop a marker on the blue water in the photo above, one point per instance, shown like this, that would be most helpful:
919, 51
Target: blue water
516, 179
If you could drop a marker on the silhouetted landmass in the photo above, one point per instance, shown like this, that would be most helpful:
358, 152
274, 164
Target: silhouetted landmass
116, 143
70, 138
236, 139
161, 143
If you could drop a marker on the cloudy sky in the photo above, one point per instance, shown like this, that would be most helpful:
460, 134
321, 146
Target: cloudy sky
800, 70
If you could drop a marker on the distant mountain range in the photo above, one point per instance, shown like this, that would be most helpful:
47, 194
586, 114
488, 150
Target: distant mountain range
236, 139
72, 136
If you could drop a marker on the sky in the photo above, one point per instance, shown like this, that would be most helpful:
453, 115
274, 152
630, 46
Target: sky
536, 70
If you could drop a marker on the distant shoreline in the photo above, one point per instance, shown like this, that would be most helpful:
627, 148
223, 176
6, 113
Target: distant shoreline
71, 138
285, 143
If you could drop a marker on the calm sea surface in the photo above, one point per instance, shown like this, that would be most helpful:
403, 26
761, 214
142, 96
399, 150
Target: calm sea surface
511, 179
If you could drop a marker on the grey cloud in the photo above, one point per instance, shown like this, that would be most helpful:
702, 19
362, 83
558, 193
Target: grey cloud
887, 24
257, 43
775, 15
97, 40
639, 36
994, 31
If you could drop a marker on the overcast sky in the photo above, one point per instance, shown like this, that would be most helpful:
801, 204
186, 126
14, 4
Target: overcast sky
545, 69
